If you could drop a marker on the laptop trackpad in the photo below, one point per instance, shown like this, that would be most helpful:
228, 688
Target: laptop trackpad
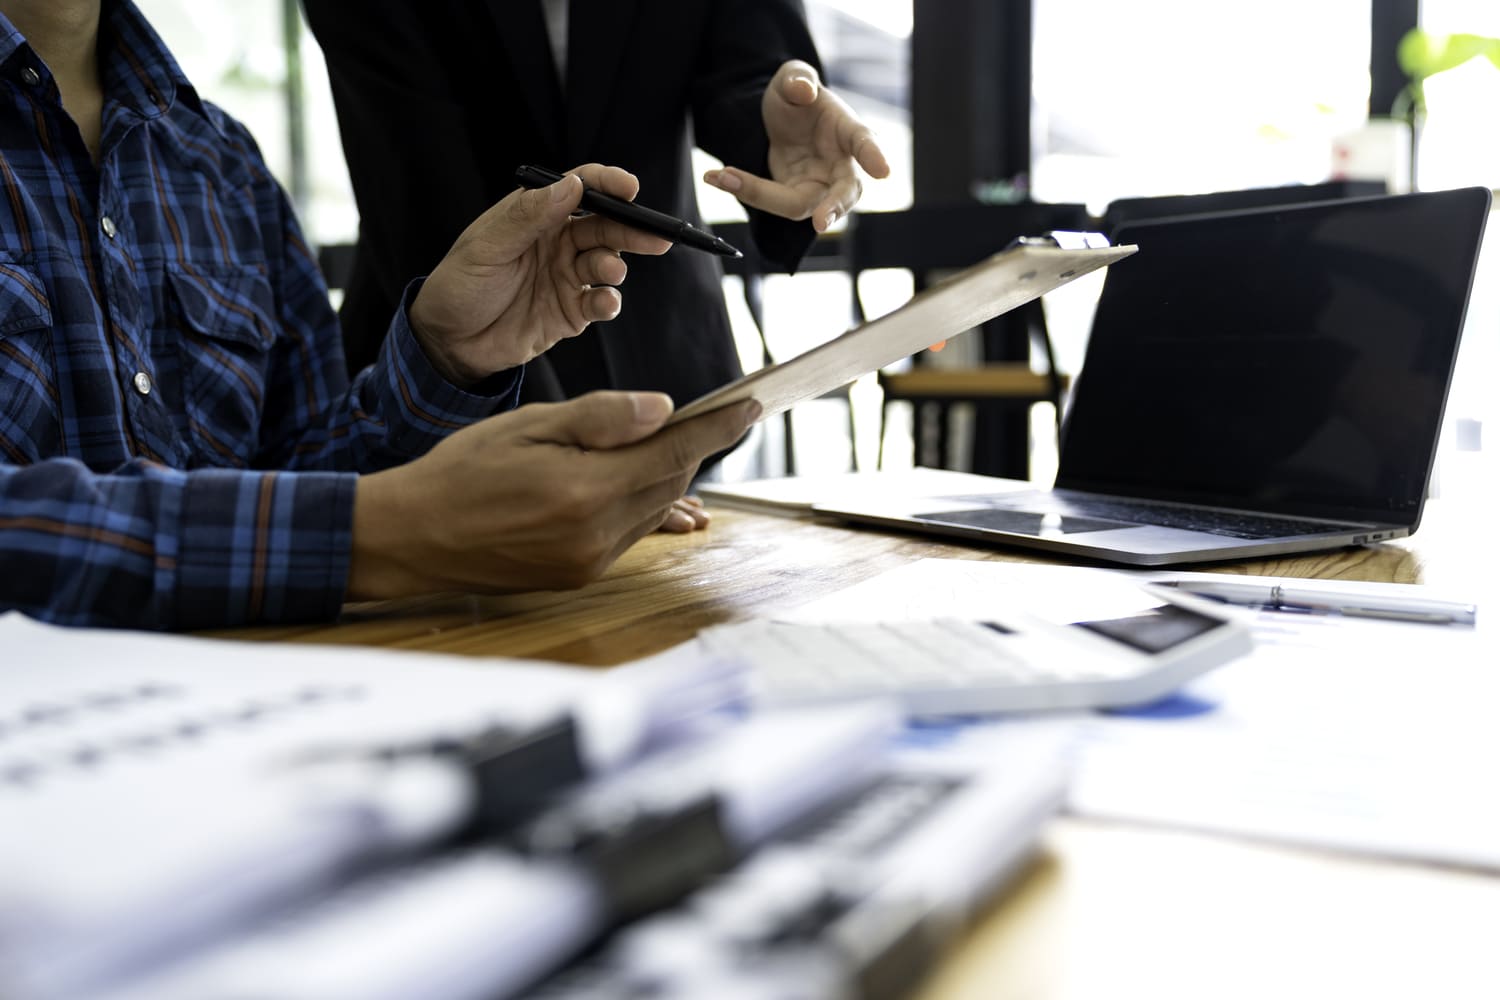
1022, 522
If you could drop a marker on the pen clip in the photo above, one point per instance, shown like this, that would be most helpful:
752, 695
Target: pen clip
1391, 614
530, 176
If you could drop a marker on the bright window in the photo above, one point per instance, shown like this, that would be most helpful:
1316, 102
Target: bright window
234, 55
1180, 97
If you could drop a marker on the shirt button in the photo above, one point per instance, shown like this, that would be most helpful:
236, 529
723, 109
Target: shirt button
30, 77
108, 225
142, 383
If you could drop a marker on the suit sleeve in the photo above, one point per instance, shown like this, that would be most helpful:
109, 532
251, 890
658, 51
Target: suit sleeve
744, 44
417, 101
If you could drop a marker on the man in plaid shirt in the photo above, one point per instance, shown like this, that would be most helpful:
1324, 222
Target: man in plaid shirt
179, 444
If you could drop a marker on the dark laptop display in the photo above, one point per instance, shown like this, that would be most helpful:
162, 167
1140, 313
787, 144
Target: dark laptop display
1256, 382
1289, 360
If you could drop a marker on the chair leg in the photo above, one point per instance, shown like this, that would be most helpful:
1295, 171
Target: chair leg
853, 438
791, 450
927, 434
921, 423
943, 414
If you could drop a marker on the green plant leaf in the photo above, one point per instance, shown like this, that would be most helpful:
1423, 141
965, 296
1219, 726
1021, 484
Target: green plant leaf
1422, 54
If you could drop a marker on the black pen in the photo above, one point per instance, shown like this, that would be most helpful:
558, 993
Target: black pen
633, 215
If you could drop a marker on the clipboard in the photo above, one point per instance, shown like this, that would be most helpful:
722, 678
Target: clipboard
1028, 269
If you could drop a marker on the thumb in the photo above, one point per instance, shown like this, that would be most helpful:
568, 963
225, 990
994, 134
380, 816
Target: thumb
603, 420
518, 219
799, 82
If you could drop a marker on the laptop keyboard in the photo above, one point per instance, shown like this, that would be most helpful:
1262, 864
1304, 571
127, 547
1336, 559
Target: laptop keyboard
1129, 513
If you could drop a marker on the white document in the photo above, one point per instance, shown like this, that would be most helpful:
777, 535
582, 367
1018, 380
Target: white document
1370, 736
157, 791
1363, 735
973, 296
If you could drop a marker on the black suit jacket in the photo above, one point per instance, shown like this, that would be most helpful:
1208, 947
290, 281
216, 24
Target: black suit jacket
440, 100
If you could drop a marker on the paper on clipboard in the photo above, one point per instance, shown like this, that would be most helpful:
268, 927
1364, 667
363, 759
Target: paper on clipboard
973, 296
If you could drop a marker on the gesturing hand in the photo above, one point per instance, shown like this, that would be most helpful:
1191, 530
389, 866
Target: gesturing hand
525, 275
815, 143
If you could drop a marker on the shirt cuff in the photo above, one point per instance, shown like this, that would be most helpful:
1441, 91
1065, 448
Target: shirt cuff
260, 547
431, 407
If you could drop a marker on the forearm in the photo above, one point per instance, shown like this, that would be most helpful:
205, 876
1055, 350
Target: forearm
387, 543
150, 547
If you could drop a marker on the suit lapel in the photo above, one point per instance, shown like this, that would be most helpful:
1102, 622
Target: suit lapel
598, 32
524, 37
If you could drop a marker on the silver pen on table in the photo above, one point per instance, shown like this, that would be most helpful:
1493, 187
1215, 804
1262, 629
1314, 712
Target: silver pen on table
1280, 597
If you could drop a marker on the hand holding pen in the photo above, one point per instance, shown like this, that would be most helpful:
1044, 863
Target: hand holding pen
630, 214
525, 275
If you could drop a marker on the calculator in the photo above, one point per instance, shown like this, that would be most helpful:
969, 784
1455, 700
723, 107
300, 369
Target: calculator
1016, 662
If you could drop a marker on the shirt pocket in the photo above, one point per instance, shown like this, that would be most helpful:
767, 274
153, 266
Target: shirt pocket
29, 405
226, 325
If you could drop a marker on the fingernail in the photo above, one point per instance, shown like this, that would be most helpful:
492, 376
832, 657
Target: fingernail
562, 189
651, 407
729, 182
830, 219
753, 410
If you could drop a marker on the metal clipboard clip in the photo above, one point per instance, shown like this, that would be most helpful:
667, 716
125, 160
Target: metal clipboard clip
1064, 239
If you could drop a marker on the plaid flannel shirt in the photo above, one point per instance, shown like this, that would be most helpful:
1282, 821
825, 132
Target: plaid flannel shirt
178, 440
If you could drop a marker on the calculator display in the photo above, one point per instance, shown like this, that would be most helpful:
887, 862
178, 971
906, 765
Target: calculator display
1154, 630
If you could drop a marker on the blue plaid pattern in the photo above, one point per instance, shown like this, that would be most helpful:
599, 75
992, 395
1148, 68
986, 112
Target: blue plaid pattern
178, 440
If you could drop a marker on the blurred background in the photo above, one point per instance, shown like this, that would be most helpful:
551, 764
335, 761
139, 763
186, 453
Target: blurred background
1058, 101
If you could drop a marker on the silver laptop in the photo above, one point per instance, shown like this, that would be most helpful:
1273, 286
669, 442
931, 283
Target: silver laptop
1256, 383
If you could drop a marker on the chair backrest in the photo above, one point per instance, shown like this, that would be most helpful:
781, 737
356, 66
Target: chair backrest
925, 239
336, 261
825, 254
930, 238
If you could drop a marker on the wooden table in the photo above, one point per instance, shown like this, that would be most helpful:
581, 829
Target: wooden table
1108, 910
667, 587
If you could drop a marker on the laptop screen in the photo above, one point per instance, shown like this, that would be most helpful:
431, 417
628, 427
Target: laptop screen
1293, 359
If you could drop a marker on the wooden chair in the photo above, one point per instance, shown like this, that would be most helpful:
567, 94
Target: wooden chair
929, 239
